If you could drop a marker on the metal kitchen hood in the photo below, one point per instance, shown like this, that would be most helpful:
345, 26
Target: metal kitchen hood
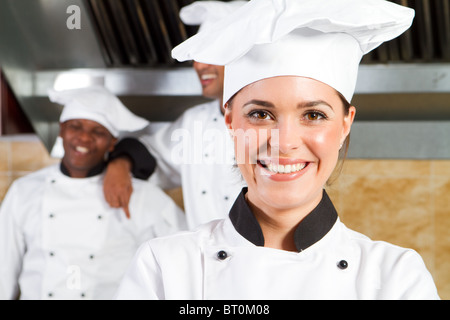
125, 45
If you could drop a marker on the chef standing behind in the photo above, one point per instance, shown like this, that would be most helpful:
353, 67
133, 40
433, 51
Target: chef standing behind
196, 151
59, 239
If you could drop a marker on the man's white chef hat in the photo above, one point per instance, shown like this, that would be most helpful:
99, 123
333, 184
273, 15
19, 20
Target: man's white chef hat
96, 103
319, 39
206, 13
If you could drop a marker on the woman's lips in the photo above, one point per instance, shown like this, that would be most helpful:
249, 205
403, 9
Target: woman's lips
283, 169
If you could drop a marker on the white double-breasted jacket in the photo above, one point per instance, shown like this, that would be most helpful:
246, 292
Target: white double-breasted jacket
226, 259
59, 239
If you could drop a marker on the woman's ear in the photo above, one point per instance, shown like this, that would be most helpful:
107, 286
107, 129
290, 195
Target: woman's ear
348, 121
227, 116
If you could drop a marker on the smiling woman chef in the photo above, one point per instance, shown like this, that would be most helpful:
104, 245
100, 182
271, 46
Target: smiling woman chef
292, 72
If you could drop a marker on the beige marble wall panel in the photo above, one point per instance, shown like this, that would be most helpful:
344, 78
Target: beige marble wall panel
404, 202
28, 156
20, 155
4, 155
441, 187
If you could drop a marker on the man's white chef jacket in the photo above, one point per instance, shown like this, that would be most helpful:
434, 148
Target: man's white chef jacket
196, 152
59, 239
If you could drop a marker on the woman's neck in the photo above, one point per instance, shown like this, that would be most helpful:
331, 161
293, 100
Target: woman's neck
279, 225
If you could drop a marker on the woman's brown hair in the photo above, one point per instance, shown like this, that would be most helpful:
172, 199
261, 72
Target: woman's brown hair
345, 146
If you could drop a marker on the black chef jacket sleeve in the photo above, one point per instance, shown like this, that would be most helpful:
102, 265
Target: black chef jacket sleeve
143, 163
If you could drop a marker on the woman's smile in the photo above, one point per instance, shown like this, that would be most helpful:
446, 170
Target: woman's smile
283, 169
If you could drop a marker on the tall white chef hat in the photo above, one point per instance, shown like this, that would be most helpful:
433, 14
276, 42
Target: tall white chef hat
319, 39
206, 13
98, 104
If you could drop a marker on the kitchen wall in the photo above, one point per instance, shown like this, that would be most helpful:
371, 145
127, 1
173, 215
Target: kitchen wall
20, 155
405, 202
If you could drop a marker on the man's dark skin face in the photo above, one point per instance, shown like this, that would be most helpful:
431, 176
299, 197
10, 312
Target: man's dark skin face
85, 144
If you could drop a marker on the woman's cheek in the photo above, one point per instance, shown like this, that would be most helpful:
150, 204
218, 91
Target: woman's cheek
246, 144
325, 145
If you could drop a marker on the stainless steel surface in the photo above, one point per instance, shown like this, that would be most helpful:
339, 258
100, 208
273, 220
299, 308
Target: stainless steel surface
418, 140
404, 78
443, 23
372, 79
34, 36
34, 33
139, 33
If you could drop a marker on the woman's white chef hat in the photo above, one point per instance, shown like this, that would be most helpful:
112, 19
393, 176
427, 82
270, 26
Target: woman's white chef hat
319, 39
98, 104
206, 13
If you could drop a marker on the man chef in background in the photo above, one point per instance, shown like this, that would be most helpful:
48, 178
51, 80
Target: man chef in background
59, 238
196, 151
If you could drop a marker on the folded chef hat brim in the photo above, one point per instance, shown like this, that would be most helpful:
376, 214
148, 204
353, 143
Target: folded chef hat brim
366, 23
206, 13
269, 60
370, 22
74, 111
99, 105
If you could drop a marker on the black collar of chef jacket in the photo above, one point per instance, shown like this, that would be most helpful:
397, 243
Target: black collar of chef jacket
95, 171
310, 230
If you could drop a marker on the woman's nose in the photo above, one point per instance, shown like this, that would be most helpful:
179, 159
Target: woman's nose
287, 137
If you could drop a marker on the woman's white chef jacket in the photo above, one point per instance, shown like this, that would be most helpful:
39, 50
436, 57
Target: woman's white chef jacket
59, 239
225, 259
197, 153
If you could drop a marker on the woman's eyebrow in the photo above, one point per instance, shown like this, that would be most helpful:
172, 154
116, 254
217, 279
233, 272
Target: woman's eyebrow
261, 103
311, 104
301, 105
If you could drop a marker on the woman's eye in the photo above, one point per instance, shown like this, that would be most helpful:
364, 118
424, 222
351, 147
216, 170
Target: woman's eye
261, 115
314, 116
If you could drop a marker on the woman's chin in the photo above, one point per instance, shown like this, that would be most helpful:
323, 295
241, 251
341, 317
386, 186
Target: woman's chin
282, 197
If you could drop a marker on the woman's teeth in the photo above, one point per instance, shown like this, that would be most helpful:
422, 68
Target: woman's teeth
289, 168
82, 149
